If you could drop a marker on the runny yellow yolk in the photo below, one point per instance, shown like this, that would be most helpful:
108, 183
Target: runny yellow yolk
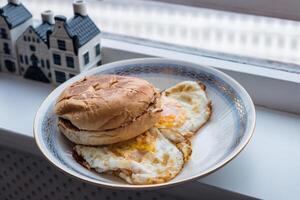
173, 115
166, 121
144, 142
143, 147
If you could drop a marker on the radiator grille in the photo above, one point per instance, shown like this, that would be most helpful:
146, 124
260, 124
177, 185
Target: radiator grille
26, 177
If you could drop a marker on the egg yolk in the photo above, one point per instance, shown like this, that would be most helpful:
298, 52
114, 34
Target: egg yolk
143, 147
172, 116
144, 142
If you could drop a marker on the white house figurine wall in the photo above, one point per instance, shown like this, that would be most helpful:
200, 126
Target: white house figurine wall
55, 50
74, 44
14, 19
33, 50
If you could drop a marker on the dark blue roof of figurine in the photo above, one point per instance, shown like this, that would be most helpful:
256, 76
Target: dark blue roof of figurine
42, 29
83, 28
15, 15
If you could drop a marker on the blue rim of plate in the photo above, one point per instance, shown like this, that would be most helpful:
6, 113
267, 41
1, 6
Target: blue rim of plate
234, 94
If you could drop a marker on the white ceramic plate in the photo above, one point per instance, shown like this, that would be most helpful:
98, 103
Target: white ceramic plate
220, 140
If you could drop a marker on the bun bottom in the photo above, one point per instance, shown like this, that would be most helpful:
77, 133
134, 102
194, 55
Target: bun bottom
94, 138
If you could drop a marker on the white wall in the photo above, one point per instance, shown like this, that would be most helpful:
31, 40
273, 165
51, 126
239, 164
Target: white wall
89, 47
79, 60
17, 31
60, 33
23, 48
13, 36
3, 25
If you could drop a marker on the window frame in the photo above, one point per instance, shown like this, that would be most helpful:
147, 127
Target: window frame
3, 33
48, 64
288, 9
86, 58
70, 59
32, 48
26, 60
6, 48
256, 75
97, 49
58, 56
61, 44
61, 72
21, 58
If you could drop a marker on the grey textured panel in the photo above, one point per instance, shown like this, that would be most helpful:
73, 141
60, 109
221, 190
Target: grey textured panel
24, 176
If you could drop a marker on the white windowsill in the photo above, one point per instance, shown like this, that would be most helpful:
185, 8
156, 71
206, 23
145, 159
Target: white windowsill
267, 168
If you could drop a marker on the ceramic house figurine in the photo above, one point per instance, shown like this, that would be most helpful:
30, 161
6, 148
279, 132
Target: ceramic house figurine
32, 48
14, 19
74, 45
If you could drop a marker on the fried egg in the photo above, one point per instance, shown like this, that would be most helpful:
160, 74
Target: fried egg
160, 153
186, 108
147, 159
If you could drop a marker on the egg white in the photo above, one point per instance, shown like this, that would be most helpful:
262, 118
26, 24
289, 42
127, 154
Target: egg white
186, 108
188, 104
147, 159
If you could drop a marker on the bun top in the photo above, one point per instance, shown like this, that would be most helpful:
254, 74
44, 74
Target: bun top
106, 102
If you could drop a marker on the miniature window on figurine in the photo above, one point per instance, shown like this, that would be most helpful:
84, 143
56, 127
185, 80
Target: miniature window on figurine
60, 77
61, 45
3, 33
56, 59
6, 48
70, 62
10, 65
26, 60
42, 63
97, 49
86, 58
32, 47
71, 75
48, 64
21, 58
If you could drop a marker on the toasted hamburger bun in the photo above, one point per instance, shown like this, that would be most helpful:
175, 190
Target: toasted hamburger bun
107, 109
